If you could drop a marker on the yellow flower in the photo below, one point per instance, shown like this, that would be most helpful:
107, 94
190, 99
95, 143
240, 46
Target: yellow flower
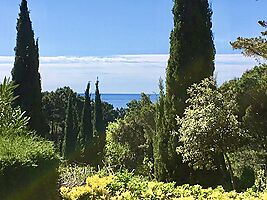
97, 182
77, 192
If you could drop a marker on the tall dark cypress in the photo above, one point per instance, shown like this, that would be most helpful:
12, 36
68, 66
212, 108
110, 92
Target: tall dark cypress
99, 126
70, 137
191, 60
25, 72
85, 138
192, 50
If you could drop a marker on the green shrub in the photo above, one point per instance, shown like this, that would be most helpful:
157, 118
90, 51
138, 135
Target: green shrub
129, 140
27, 173
28, 163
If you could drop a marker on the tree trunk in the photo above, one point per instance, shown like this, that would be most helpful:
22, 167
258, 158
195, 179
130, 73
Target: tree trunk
230, 171
223, 168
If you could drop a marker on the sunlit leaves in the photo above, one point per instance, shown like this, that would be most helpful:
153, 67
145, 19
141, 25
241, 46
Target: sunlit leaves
209, 126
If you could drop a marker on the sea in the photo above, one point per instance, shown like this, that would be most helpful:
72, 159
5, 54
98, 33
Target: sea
121, 100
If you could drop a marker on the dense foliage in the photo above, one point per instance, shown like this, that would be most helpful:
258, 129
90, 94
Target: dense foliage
250, 93
129, 140
55, 106
208, 128
18, 144
195, 134
24, 157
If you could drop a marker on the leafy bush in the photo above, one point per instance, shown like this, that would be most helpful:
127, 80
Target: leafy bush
25, 172
250, 93
127, 186
129, 140
12, 121
28, 163
27, 151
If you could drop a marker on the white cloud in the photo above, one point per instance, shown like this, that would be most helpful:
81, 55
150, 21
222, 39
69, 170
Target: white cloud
6, 59
121, 73
234, 58
230, 66
147, 58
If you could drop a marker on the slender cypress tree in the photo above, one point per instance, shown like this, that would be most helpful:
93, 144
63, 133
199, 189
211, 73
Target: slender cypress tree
85, 138
98, 112
192, 50
160, 140
25, 72
76, 125
99, 126
191, 60
70, 137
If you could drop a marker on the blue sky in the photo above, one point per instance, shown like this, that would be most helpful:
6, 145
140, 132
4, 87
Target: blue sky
104, 29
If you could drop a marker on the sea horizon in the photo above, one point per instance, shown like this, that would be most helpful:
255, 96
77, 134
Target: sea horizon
120, 100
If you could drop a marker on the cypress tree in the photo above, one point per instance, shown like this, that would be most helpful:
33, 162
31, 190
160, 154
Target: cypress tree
70, 137
76, 130
25, 72
99, 126
160, 140
191, 60
192, 50
85, 138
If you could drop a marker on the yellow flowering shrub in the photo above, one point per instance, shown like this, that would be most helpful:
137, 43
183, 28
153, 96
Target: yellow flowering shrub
95, 188
126, 186
97, 183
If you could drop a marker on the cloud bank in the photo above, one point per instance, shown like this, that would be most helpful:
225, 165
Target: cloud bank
121, 73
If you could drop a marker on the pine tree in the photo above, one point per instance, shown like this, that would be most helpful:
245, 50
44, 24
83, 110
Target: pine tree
25, 72
99, 127
191, 60
70, 137
85, 138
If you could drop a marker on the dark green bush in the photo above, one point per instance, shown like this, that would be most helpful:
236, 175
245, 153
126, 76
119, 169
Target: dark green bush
247, 178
